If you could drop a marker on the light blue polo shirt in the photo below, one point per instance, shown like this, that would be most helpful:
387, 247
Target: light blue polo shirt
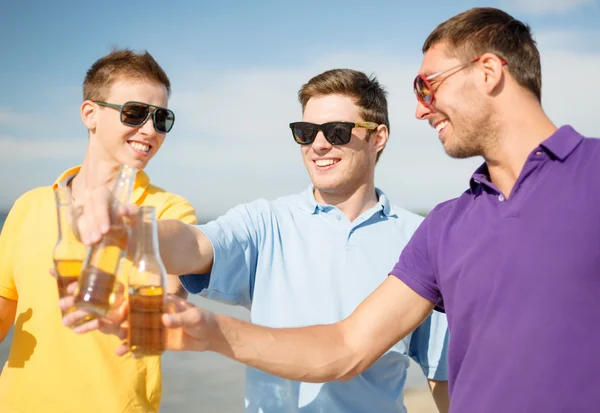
294, 262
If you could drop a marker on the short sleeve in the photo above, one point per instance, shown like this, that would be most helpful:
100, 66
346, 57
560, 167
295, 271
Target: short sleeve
415, 267
429, 346
8, 240
179, 208
236, 238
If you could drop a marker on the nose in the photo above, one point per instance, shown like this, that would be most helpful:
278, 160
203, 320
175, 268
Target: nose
422, 111
321, 144
148, 127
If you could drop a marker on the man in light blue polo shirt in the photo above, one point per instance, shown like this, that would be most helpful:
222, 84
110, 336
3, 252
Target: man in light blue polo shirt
311, 258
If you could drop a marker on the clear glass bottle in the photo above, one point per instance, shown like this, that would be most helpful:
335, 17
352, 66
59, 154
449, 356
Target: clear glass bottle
69, 252
97, 283
145, 291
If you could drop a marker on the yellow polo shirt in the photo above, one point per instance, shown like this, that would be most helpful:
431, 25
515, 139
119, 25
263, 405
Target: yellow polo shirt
50, 368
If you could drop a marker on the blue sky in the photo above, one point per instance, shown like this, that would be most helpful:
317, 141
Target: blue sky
235, 68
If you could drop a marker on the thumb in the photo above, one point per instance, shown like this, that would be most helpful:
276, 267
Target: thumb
189, 318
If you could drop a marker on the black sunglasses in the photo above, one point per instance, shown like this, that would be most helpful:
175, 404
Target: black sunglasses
336, 133
137, 113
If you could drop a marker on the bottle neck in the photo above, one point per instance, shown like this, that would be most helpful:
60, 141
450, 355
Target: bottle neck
64, 220
146, 235
64, 208
124, 186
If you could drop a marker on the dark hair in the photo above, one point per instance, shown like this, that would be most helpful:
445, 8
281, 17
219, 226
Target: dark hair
370, 96
480, 30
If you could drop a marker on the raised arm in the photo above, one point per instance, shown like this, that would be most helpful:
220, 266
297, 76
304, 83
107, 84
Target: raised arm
184, 249
319, 353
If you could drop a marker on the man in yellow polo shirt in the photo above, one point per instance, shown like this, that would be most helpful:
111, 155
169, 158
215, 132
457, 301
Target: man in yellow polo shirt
51, 369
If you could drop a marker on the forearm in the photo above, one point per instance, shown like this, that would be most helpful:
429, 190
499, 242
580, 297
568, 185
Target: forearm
310, 354
183, 248
318, 353
439, 391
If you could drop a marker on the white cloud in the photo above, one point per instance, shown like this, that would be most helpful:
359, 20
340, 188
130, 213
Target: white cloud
549, 6
231, 142
234, 145
25, 149
9, 117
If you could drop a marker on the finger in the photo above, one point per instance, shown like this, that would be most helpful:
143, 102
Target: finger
73, 317
128, 210
71, 288
176, 304
189, 318
66, 303
52, 272
122, 350
100, 201
108, 327
88, 234
87, 327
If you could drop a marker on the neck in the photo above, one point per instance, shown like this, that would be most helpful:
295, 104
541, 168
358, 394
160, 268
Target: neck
95, 172
352, 204
522, 129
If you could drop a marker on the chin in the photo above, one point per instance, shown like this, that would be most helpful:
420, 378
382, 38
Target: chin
327, 186
135, 163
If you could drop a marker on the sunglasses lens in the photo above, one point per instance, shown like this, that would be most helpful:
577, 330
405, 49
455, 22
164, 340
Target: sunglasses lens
163, 120
338, 133
134, 114
423, 91
304, 133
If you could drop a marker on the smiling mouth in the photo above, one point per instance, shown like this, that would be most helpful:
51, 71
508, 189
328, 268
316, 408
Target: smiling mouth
140, 147
440, 126
326, 162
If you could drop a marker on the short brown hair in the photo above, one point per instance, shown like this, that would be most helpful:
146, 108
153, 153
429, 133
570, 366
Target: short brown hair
121, 64
480, 30
370, 96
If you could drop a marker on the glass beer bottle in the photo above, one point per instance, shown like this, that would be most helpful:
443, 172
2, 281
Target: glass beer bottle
69, 252
145, 292
98, 278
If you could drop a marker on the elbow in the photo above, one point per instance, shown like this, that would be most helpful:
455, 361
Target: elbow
357, 362
358, 356
354, 371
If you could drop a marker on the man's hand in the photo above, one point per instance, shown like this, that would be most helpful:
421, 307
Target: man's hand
186, 326
83, 321
93, 217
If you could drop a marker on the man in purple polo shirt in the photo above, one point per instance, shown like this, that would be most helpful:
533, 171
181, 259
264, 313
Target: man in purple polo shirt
514, 261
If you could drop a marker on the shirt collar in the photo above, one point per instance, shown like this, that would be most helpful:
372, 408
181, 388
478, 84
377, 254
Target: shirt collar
309, 204
560, 145
141, 182
562, 142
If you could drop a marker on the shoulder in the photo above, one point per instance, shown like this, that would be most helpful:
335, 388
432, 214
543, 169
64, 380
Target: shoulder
34, 198
30, 203
449, 209
168, 204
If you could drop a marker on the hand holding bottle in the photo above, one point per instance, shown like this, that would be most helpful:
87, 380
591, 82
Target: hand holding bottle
96, 289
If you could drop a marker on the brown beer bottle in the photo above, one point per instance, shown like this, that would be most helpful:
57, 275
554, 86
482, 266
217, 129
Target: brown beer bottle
69, 252
145, 291
97, 282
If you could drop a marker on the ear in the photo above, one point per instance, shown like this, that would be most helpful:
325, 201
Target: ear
381, 137
89, 113
493, 71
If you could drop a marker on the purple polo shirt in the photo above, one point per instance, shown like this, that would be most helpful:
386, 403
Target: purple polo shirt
519, 280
